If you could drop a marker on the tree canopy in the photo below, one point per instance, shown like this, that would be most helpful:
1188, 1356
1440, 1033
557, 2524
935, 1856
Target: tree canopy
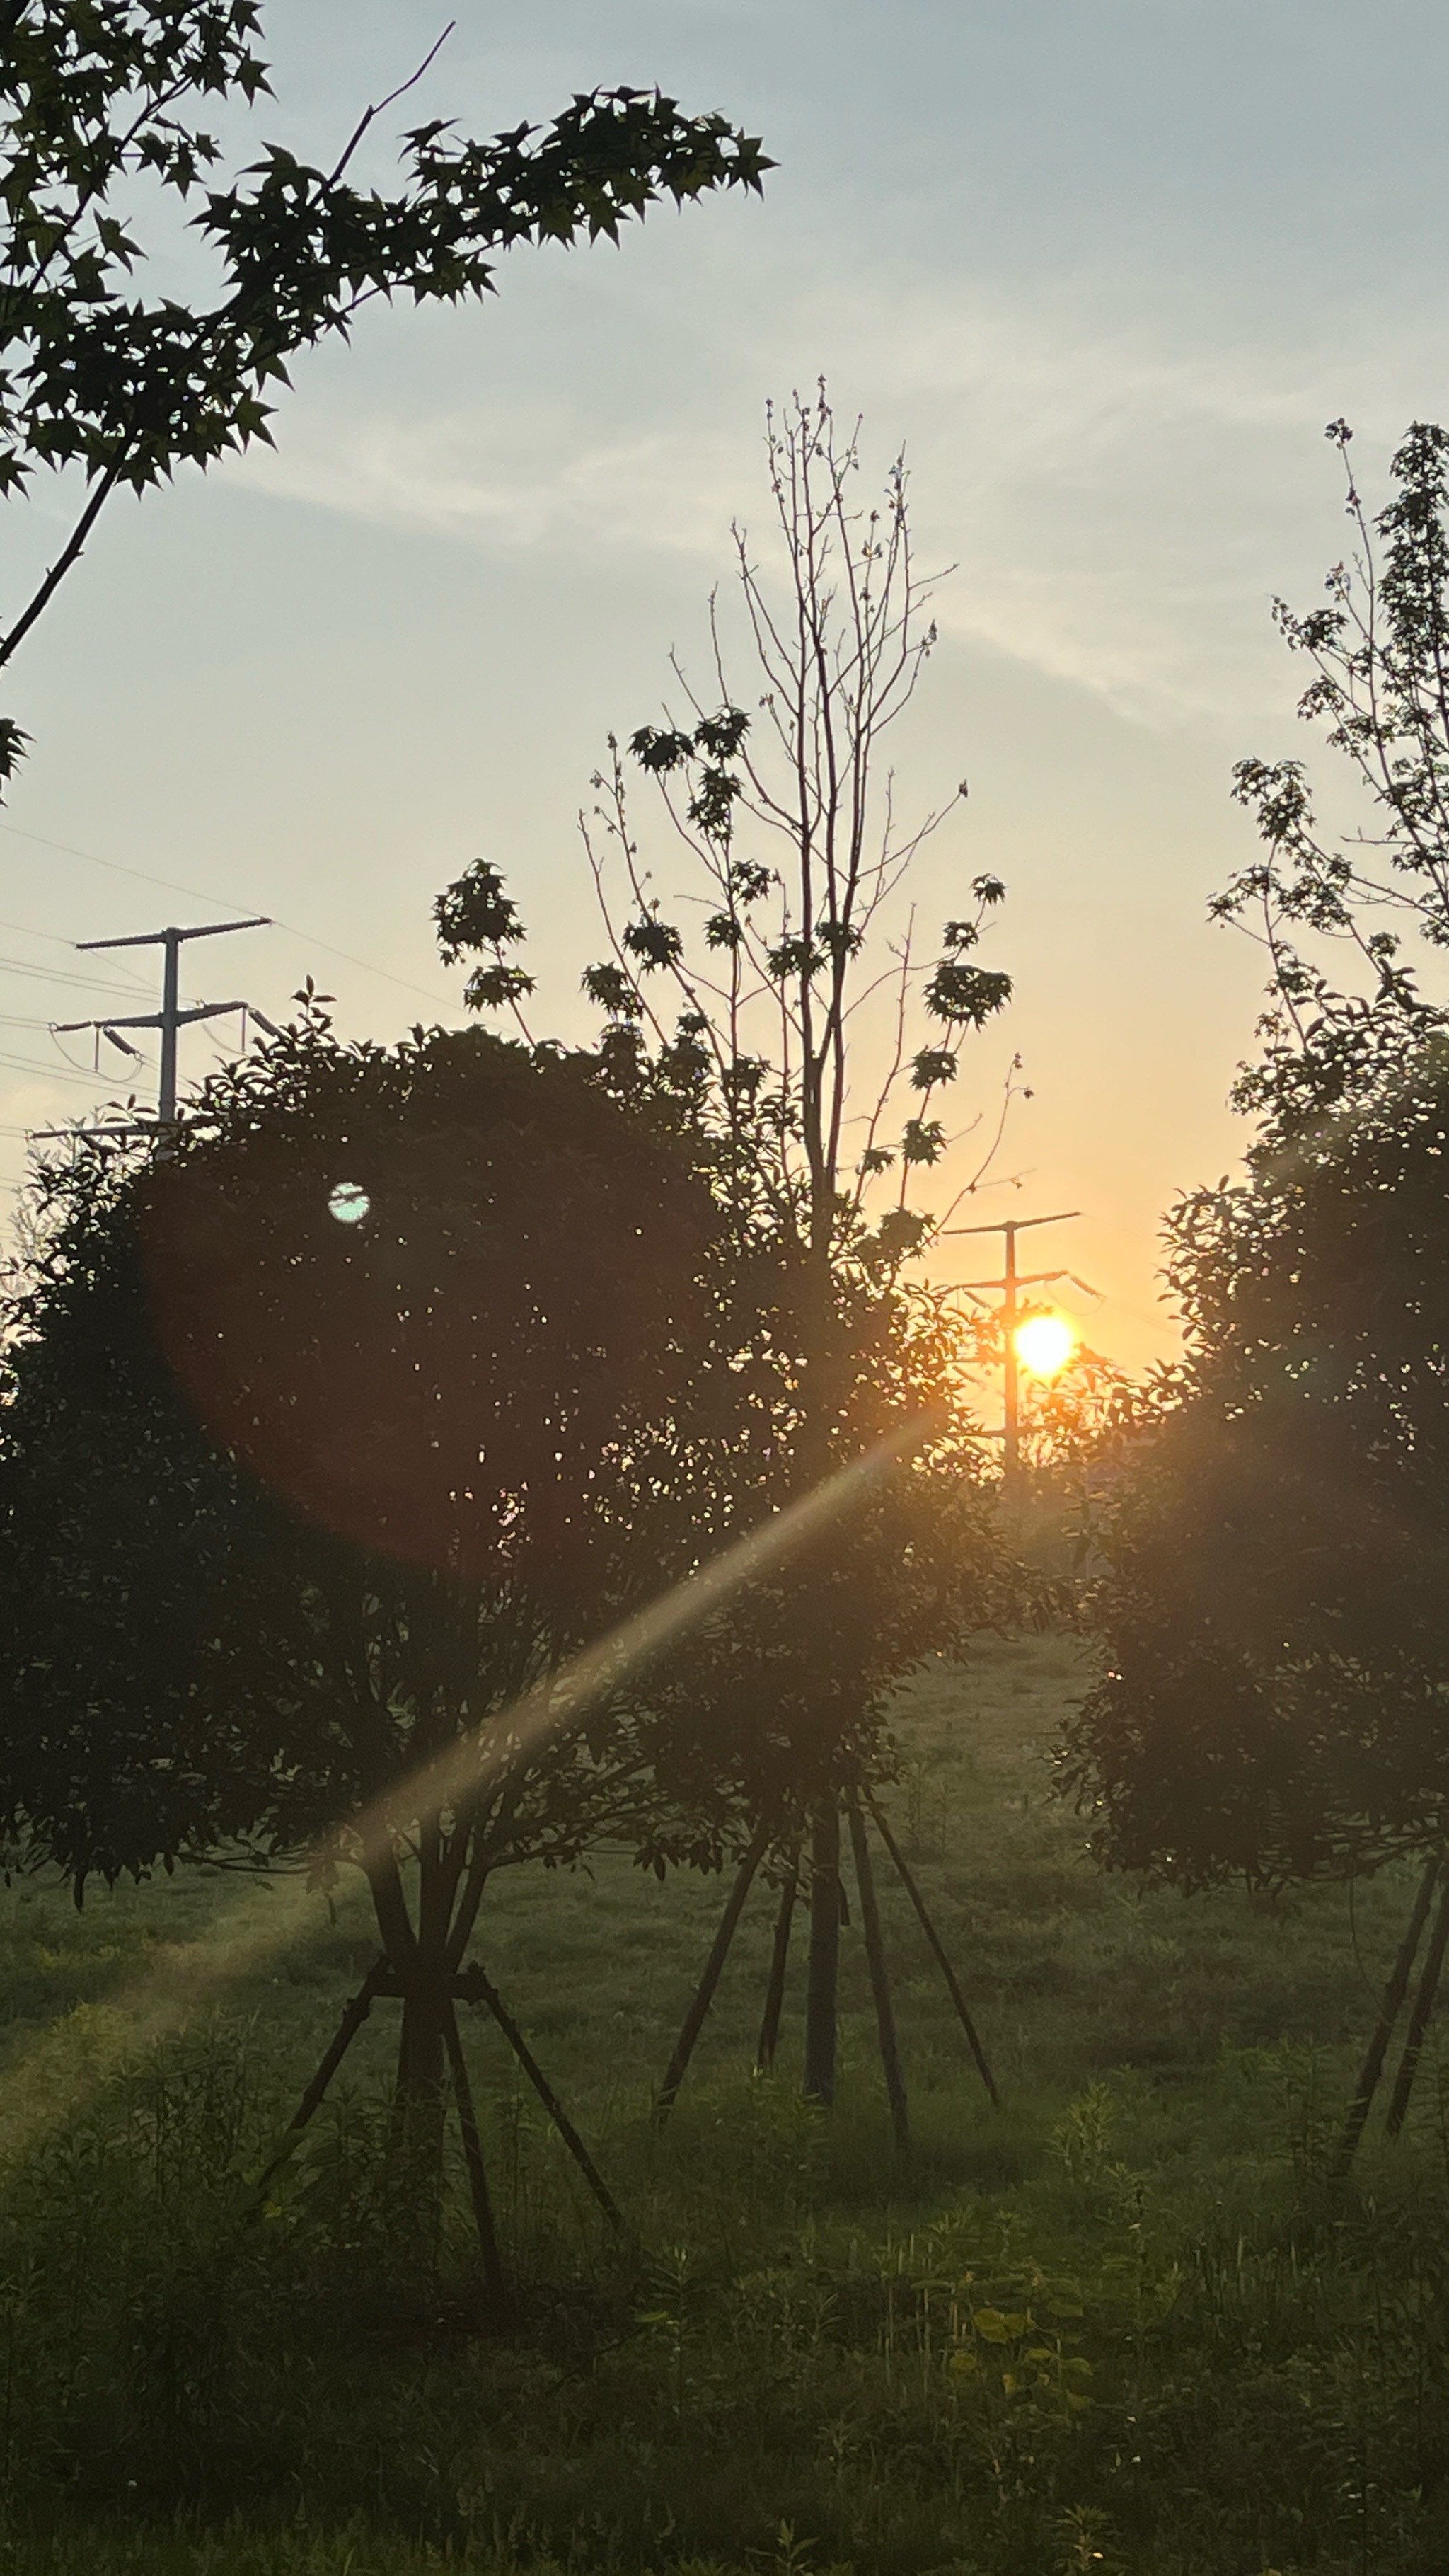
1277, 1655
1276, 1612
313, 1433
784, 1695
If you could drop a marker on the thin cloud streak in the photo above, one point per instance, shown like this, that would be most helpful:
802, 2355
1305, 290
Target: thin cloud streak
1110, 499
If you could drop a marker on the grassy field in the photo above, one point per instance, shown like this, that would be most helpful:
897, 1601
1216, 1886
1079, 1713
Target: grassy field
1121, 2324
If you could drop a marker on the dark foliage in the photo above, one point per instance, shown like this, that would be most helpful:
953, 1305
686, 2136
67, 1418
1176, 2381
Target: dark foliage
313, 1435
1276, 1617
786, 1694
797, 1370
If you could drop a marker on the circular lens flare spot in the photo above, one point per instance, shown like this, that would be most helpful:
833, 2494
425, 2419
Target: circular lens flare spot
1044, 1344
349, 1203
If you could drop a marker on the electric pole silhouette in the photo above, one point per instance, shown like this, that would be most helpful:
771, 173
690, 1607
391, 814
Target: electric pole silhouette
170, 1019
1008, 1285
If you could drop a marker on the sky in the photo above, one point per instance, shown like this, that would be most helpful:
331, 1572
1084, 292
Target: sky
1106, 266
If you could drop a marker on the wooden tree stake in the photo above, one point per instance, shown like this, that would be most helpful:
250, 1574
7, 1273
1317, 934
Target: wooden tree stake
476, 1987
498, 2302
885, 2019
704, 1994
823, 1978
1419, 2018
1389, 2010
937, 1950
354, 2014
769, 2039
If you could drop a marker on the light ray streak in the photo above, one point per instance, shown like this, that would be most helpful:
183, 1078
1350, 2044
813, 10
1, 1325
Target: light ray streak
71, 2061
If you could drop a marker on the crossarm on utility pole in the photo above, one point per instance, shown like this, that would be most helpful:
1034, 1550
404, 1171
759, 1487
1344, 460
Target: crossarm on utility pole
171, 1018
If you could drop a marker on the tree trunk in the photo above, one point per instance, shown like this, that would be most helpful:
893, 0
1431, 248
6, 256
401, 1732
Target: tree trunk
823, 1982
422, 2048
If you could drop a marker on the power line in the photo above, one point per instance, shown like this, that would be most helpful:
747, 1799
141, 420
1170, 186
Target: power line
59, 975
52, 938
49, 1072
171, 1018
119, 868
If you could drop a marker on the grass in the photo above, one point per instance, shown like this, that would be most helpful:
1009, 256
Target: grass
1120, 2325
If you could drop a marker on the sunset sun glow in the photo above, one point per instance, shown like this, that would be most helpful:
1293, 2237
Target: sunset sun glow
1044, 1344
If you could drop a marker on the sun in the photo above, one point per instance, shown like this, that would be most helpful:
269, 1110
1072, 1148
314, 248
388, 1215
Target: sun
1044, 1344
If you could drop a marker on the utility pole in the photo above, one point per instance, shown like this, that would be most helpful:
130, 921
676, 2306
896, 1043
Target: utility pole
1011, 1281
170, 1019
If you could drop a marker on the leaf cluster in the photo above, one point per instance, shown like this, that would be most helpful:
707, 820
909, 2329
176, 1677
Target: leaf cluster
94, 97
1379, 650
101, 105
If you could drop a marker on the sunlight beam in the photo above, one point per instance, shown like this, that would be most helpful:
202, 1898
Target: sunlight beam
70, 2062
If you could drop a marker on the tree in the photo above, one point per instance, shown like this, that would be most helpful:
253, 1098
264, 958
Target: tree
1274, 1617
314, 1434
1271, 1619
98, 103
775, 1728
803, 923
749, 1008
1379, 651
1275, 1694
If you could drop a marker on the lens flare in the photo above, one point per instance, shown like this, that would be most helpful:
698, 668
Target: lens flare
1044, 1344
54, 2078
349, 1203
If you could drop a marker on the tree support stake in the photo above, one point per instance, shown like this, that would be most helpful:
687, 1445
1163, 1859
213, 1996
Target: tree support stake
354, 2014
885, 2019
1419, 2017
937, 1948
1389, 2010
497, 2298
704, 1993
769, 2039
473, 1984
823, 1980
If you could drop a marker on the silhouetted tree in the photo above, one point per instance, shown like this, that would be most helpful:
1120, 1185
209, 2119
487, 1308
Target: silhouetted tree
783, 1009
758, 989
1275, 1699
315, 1433
1321, 901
